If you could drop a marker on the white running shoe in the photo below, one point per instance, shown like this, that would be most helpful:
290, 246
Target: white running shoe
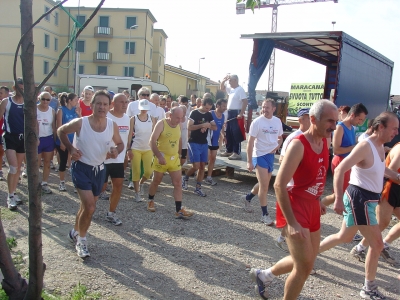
138, 198
46, 189
11, 203
111, 217
247, 204
141, 189
104, 196
82, 250
130, 185
266, 219
62, 187
210, 181
17, 200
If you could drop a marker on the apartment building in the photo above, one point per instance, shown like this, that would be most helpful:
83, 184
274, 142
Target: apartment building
117, 42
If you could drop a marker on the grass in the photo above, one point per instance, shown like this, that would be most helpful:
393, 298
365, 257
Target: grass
11, 242
7, 214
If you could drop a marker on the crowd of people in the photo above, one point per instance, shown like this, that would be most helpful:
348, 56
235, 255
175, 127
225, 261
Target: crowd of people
98, 134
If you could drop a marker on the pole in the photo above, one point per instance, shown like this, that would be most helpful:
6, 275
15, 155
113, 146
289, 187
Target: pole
198, 82
129, 48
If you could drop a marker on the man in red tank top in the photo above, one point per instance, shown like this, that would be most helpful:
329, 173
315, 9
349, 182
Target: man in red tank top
298, 186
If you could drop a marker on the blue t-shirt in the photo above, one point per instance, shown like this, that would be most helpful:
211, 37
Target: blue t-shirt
213, 135
349, 138
67, 115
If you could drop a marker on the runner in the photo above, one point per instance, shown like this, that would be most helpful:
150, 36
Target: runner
298, 186
85, 102
165, 142
362, 196
13, 140
213, 138
200, 120
4, 92
265, 138
46, 117
92, 146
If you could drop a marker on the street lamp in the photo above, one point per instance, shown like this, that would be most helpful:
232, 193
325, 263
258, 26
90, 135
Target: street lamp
129, 47
198, 84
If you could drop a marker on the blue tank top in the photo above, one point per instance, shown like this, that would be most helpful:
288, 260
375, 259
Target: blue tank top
213, 135
14, 117
67, 115
349, 138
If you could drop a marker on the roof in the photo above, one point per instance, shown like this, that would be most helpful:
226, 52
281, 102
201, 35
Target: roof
183, 72
212, 82
319, 46
161, 31
117, 9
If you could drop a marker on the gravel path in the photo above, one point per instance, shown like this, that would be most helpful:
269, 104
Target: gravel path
154, 256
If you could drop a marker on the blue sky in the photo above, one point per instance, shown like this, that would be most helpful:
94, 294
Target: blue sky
211, 29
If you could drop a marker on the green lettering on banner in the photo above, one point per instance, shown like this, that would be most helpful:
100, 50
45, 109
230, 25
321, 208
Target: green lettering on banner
304, 95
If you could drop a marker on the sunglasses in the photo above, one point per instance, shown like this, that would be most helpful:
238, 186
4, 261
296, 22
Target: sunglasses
45, 99
145, 95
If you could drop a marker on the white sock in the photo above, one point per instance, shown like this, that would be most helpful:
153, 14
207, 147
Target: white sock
43, 183
62, 181
361, 247
81, 239
209, 177
386, 245
110, 213
11, 195
266, 275
281, 239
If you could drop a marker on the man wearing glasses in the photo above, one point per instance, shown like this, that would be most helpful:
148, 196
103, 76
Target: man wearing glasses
13, 110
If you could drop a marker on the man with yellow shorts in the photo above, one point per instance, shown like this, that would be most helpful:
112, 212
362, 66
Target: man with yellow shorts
166, 143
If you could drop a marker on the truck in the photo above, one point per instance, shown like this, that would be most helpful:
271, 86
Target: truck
119, 84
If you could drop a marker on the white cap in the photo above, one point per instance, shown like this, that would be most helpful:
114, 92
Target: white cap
144, 104
88, 87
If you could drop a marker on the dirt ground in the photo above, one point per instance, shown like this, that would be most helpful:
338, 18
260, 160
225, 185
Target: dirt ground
154, 256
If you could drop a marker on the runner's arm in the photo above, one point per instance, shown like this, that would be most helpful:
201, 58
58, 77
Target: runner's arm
71, 127
3, 106
337, 141
243, 109
119, 144
391, 170
249, 151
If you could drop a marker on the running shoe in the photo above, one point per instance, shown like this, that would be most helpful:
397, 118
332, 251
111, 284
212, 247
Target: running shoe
52, 165
82, 250
73, 237
199, 192
111, 217
75, 191
11, 203
104, 196
357, 237
235, 156
17, 200
282, 245
247, 204
225, 154
130, 185
56, 168
62, 187
138, 198
141, 189
108, 188
360, 255
46, 189
261, 287
371, 294
150, 206
210, 181
185, 183
24, 174
266, 219
183, 214
125, 179
385, 254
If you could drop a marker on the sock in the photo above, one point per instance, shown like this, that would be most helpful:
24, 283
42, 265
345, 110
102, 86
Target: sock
178, 205
198, 185
266, 275
62, 181
11, 195
386, 245
74, 232
209, 177
360, 247
281, 239
110, 212
81, 239
43, 183
264, 210
250, 196
369, 285
151, 197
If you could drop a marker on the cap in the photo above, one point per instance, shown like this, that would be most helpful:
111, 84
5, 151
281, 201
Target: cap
112, 94
88, 87
19, 80
303, 111
144, 104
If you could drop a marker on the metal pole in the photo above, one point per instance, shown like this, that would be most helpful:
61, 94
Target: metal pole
129, 47
198, 84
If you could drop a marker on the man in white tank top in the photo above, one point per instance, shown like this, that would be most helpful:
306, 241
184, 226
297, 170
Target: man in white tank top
358, 203
94, 135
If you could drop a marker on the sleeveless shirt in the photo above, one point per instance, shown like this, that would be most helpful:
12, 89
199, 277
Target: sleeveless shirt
94, 145
143, 130
45, 120
348, 139
124, 125
168, 141
14, 117
85, 109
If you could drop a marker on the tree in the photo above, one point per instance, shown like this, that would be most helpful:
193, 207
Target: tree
15, 286
250, 3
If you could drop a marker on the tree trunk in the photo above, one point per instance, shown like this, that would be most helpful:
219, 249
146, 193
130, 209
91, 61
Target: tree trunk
36, 266
14, 286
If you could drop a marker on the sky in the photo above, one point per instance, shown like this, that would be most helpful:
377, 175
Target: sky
212, 29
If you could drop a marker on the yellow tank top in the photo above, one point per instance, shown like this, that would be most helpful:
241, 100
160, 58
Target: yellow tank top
168, 142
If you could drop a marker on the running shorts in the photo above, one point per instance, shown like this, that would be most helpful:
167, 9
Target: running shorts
391, 194
88, 178
266, 161
114, 170
173, 163
198, 152
46, 144
14, 142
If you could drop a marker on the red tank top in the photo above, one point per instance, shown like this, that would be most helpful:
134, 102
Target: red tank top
85, 110
309, 179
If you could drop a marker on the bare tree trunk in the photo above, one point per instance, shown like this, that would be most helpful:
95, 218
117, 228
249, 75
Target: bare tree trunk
14, 286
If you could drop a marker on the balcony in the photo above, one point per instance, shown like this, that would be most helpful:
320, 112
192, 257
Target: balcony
103, 32
102, 57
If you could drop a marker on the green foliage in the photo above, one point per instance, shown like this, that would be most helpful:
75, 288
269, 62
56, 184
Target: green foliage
3, 295
62, 89
7, 214
80, 293
11, 242
251, 3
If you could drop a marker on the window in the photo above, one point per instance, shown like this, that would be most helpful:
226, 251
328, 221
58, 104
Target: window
130, 21
45, 67
102, 70
104, 21
151, 53
131, 48
160, 41
47, 17
80, 46
55, 44
129, 71
55, 72
56, 18
81, 19
152, 30
159, 61
103, 47
46, 41
81, 69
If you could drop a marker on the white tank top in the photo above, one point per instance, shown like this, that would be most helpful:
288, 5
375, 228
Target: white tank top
45, 121
143, 130
184, 133
94, 145
370, 179
123, 126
